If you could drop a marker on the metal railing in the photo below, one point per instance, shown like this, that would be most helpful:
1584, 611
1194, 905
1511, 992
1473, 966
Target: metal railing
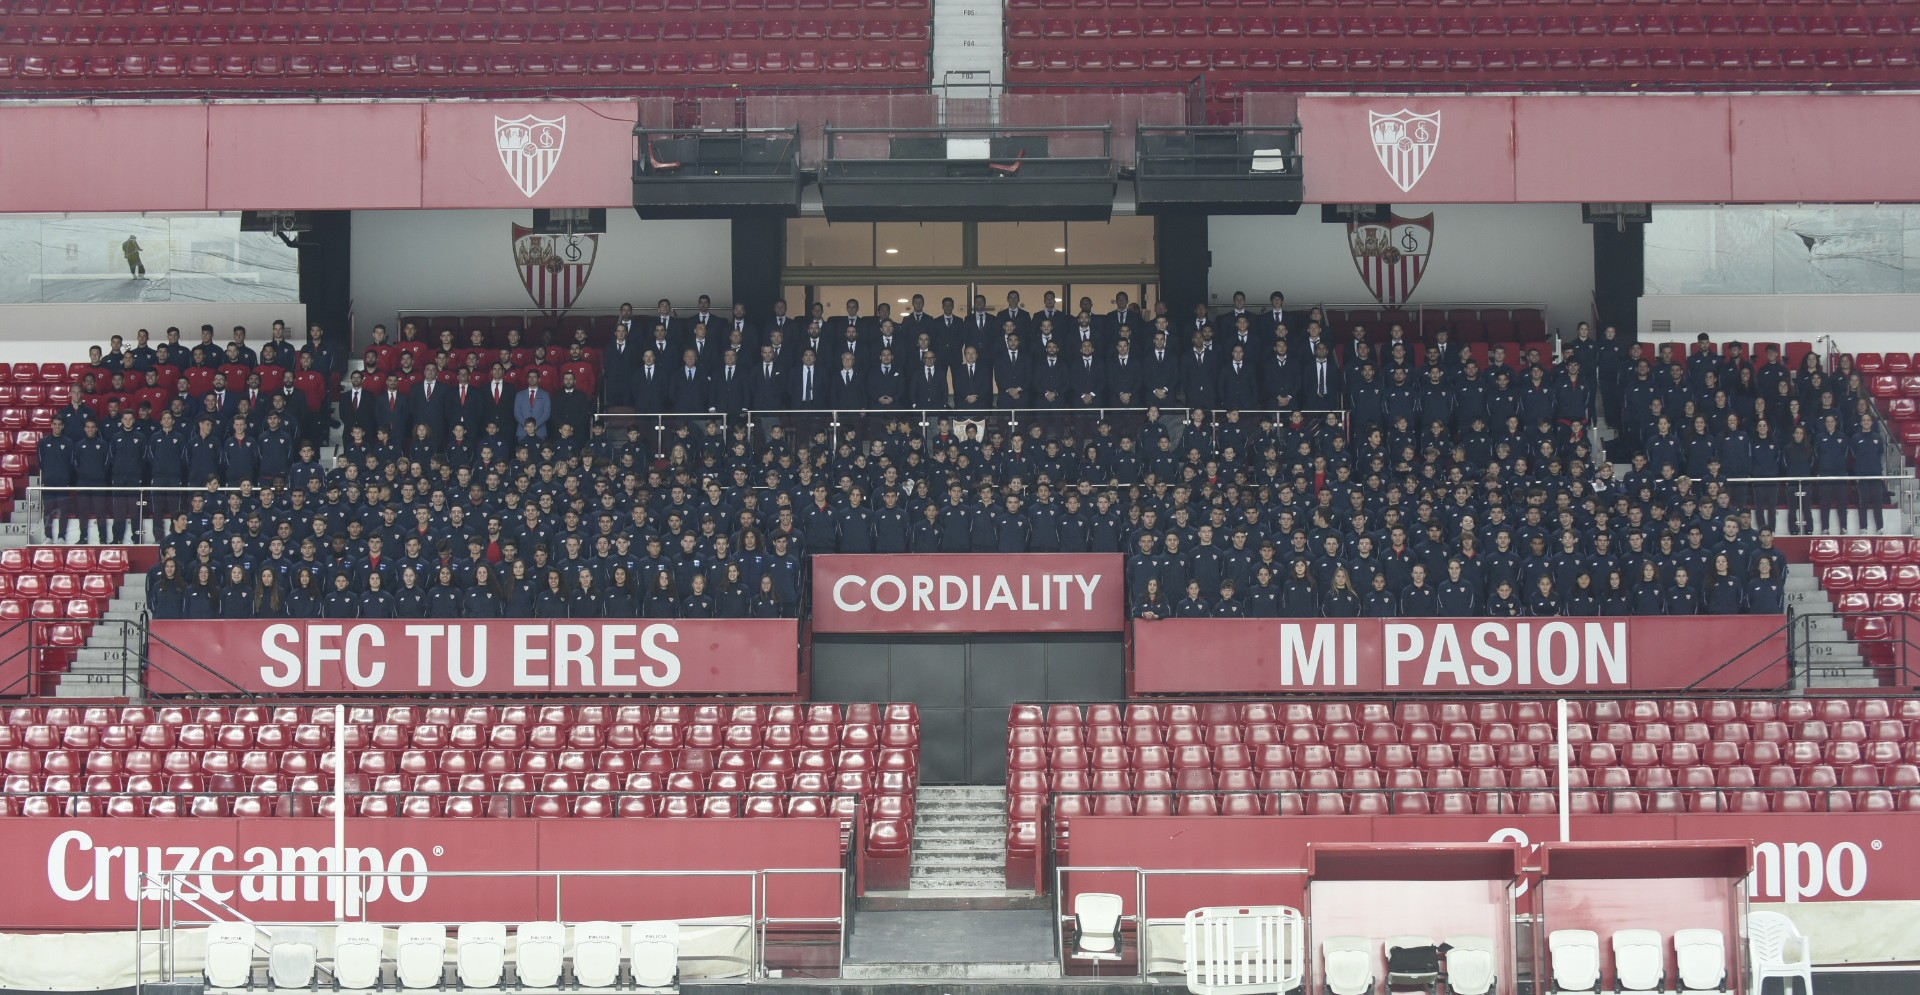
1820, 505
861, 424
1078, 144
173, 891
1218, 152
1888, 641
135, 515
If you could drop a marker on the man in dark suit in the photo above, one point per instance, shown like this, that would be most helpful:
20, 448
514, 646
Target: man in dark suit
730, 385
1321, 387
1021, 318
468, 406
1239, 382
618, 361
1279, 322
808, 391
929, 385
1160, 372
1013, 375
848, 386
1124, 377
356, 404
665, 331
972, 381
949, 332
887, 382
766, 382
652, 387
1086, 378
916, 319
572, 406
690, 387
1050, 386
1124, 313
496, 396
862, 325
392, 412
428, 401
1280, 377
1050, 311
1200, 375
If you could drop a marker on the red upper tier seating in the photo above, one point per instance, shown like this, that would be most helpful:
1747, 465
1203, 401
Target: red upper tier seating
77, 46
1611, 44
470, 761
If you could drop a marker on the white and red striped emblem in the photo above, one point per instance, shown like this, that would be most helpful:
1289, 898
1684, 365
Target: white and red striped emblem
553, 268
530, 149
1391, 257
1405, 143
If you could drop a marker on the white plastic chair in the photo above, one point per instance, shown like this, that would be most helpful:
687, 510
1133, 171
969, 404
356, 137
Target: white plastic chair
597, 947
230, 954
480, 954
420, 955
656, 955
1701, 956
540, 951
292, 957
1639, 960
1575, 956
1269, 161
1096, 926
1778, 950
1470, 965
1347, 965
357, 949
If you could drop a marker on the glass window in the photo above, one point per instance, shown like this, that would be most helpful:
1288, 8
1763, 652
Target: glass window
1126, 241
815, 242
918, 244
1023, 243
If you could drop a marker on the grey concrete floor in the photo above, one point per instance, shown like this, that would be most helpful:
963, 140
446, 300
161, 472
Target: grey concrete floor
997, 936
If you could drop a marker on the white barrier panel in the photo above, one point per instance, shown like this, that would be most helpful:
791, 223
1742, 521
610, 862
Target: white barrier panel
1244, 951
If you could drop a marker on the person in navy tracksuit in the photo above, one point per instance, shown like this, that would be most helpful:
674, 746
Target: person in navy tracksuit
92, 467
55, 453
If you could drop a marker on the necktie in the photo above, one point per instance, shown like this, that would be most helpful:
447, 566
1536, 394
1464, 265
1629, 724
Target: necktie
463, 394
806, 384
1323, 377
1015, 355
846, 376
689, 373
729, 374
496, 392
429, 390
767, 370
969, 369
1089, 362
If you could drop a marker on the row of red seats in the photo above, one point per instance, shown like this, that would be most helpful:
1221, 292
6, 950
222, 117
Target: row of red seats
1623, 26
1841, 577
1438, 756
347, 9
1892, 362
605, 782
22, 760
875, 67
1028, 743
1467, 803
1856, 602
619, 736
456, 806
1809, 5
1626, 64
36, 395
1024, 785
44, 374
672, 713
1885, 550
1639, 711
475, 36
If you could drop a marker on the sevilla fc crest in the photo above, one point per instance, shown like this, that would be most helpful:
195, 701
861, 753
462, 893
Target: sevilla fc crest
1405, 143
530, 149
1391, 257
553, 268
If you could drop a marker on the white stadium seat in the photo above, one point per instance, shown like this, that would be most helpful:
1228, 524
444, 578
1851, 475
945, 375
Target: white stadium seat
656, 954
1470, 965
1639, 961
357, 950
1702, 958
1348, 963
292, 956
420, 956
229, 954
1576, 960
1096, 926
597, 948
1778, 950
540, 952
480, 953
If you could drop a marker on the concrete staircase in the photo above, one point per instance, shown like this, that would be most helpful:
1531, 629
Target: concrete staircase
968, 42
959, 842
109, 665
1832, 658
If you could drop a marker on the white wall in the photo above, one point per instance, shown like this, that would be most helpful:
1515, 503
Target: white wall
463, 261
61, 333
1501, 253
1857, 322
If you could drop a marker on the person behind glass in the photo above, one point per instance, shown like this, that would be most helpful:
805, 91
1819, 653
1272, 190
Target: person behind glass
377, 601
445, 599
410, 598
1299, 596
1502, 603
342, 601
1649, 590
1379, 601
269, 595
1616, 599
1151, 603
304, 593
586, 601
1726, 594
1868, 448
663, 599
1682, 597
550, 597
1583, 599
1341, 600
1832, 451
480, 599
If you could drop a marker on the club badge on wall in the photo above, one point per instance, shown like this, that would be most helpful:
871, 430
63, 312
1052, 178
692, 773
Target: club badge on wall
530, 149
1405, 143
1391, 257
553, 268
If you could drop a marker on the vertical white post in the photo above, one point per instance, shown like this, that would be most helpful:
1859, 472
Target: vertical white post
343, 890
1566, 813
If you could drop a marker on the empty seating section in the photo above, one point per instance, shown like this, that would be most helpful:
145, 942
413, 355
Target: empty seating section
30, 394
470, 761
1581, 43
67, 587
410, 45
1456, 758
1895, 385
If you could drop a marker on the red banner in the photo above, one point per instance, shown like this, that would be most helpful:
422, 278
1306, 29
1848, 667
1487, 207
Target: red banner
1798, 857
1398, 656
969, 592
85, 873
633, 656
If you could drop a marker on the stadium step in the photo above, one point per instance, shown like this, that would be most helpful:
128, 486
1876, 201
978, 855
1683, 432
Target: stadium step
997, 945
959, 841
